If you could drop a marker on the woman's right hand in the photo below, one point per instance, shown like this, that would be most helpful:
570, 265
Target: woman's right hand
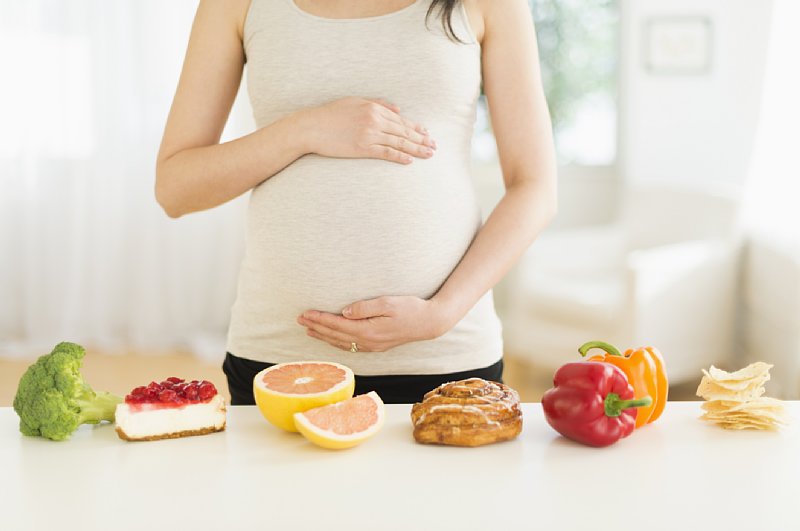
364, 128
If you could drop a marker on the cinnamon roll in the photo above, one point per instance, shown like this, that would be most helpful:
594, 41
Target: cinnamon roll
469, 412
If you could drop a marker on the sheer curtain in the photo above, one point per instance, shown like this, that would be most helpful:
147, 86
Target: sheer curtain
86, 254
771, 280
773, 189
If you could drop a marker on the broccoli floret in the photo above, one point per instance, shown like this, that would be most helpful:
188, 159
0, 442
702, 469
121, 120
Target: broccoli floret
53, 400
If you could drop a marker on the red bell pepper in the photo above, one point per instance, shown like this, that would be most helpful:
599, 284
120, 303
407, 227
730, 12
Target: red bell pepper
592, 403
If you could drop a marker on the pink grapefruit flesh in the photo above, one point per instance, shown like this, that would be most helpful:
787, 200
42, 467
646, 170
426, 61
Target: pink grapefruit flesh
345, 418
308, 378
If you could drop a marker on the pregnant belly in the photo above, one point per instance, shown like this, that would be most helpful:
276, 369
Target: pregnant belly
326, 232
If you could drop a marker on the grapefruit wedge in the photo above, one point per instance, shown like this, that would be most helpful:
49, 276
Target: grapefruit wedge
288, 388
344, 424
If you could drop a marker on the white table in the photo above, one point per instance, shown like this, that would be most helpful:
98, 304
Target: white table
678, 473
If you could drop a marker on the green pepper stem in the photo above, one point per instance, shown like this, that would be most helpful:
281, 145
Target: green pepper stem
614, 405
609, 348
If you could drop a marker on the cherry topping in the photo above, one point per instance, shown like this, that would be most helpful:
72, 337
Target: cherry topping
172, 391
207, 390
167, 395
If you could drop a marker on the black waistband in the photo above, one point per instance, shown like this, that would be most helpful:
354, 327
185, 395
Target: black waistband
393, 389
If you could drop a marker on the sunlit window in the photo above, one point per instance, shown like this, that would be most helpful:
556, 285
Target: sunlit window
578, 55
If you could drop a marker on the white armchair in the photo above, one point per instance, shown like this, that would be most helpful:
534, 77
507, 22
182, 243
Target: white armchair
771, 310
664, 274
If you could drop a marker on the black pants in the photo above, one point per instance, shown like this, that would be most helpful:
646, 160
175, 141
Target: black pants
400, 389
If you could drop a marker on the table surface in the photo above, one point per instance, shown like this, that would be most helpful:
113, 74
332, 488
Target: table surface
679, 473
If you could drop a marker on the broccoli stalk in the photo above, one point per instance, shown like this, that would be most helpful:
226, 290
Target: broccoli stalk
53, 400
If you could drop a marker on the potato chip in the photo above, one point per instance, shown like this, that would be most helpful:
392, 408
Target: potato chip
746, 426
710, 390
748, 373
740, 417
720, 405
741, 385
734, 400
763, 403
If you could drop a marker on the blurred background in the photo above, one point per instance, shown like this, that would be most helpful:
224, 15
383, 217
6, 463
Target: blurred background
678, 226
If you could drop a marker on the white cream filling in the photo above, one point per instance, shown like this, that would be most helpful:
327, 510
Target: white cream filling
146, 422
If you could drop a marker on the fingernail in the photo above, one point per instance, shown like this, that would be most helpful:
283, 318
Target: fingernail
347, 311
407, 159
427, 152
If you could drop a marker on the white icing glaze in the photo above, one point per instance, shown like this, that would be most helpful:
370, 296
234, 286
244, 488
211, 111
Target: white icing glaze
481, 403
457, 407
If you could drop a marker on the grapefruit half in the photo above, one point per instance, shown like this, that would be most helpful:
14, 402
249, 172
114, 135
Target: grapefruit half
344, 424
288, 388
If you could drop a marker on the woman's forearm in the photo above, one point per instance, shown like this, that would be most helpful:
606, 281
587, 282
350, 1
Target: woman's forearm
200, 178
523, 212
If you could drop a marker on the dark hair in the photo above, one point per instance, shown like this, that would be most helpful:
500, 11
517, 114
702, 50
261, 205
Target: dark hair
446, 8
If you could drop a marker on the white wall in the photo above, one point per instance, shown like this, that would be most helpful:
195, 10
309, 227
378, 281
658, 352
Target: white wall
692, 127
586, 196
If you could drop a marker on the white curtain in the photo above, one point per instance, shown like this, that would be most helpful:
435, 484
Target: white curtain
771, 279
86, 254
772, 198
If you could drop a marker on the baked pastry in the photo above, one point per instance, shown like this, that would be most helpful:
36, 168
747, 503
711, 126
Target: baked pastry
170, 409
469, 412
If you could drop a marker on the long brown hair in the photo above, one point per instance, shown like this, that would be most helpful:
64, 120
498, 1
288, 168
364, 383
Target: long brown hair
446, 8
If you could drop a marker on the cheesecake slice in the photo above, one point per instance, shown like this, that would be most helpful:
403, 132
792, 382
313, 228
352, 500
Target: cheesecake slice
170, 409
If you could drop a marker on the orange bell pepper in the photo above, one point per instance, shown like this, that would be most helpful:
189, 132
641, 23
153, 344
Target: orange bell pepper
645, 370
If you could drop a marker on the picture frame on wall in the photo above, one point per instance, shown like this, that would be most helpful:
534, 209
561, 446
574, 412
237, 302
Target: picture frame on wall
678, 45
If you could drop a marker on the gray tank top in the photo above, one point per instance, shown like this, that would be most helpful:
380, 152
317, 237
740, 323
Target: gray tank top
325, 232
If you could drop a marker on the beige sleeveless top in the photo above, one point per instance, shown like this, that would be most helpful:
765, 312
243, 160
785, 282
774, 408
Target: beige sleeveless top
326, 232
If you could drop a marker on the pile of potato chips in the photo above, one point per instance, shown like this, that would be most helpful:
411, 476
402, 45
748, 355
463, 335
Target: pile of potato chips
734, 401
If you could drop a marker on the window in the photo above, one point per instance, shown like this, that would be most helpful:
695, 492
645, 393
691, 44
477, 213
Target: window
578, 56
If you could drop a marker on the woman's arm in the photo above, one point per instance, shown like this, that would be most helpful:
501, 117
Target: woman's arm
522, 128
195, 172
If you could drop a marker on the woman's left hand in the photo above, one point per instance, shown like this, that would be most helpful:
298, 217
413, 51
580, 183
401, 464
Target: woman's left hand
376, 325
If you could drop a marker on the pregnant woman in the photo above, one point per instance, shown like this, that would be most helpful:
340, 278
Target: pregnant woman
364, 240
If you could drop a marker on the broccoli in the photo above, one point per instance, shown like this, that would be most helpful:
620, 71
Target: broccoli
53, 400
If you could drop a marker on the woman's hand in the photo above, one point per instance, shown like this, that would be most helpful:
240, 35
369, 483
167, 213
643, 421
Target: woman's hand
376, 325
363, 128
